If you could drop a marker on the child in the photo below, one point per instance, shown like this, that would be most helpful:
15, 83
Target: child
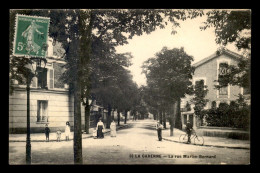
94, 133
47, 132
58, 135
67, 130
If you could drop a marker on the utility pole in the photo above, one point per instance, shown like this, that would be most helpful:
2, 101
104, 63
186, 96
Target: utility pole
28, 137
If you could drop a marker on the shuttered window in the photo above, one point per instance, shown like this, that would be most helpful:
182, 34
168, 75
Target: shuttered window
42, 111
223, 70
58, 71
42, 77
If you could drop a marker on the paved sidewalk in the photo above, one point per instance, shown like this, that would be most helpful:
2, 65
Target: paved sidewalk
208, 141
40, 137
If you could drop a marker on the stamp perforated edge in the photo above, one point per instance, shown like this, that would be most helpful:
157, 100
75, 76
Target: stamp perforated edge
15, 26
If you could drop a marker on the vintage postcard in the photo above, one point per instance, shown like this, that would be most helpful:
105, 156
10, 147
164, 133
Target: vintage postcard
129, 86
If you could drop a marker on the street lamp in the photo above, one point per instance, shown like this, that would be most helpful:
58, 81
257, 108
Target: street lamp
32, 71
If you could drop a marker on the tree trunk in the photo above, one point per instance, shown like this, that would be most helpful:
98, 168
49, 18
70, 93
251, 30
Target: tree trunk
77, 125
118, 118
171, 126
173, 118
112, 117
160, 117
155, 116
125, 116
164, 119
108, 116
87, 117
178, 123
103, 114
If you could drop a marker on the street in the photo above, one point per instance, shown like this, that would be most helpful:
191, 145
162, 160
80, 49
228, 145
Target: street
137, 144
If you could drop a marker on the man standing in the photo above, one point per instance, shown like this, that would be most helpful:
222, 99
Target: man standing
159, 130
189, 130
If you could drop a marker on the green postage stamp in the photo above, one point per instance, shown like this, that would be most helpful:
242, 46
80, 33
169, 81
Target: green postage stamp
31, 36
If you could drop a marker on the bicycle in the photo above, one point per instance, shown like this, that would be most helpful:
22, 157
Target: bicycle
198, 140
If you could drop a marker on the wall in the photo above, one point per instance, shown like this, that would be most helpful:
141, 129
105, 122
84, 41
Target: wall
60, 109
209, 72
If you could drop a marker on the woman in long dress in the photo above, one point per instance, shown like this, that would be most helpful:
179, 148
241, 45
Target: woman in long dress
67, 131
100, 127
113, 129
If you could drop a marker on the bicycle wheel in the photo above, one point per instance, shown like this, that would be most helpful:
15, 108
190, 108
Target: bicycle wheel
199, 140
183, 138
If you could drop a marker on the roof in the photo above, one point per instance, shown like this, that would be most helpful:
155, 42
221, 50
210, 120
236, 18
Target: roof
226, 51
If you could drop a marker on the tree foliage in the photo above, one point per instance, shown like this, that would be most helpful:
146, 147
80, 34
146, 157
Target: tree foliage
199, 101
169, 76
233, 26
238, 115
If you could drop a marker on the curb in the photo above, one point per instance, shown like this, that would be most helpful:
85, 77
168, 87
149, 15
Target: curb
91, 136
217, 146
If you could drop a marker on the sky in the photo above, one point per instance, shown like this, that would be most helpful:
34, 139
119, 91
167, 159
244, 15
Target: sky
197, 43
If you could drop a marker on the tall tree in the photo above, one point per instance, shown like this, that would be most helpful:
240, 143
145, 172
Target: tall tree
152, 102
200, 91
107, 79
170, 73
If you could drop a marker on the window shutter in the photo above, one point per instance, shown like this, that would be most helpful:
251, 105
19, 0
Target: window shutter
44, 78
39, 111
51, 78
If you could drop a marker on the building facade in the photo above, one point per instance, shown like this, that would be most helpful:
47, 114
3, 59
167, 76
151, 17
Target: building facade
208, 70
50, 100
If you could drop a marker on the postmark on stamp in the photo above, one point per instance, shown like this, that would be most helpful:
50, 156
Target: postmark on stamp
31, 36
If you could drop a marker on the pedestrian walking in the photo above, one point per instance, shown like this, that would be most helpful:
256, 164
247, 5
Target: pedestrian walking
113, 129
100, 129
58, 135
47, 132
159, 128
189, 130
67, 131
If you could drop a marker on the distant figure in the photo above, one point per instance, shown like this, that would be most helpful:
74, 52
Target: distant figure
58, 135
67, 131
113, 129
100, 129
188, 130
47, 132
159, 128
